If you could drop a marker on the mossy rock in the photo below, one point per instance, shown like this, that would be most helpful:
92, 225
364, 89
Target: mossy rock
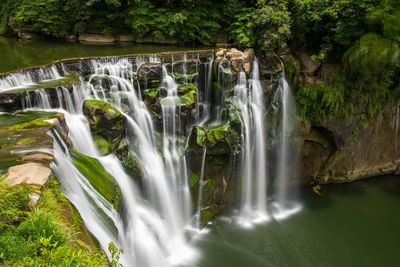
98, 177
106, 122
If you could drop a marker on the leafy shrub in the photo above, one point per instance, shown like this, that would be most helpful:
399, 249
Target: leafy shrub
44, 16
320, 102
272, 24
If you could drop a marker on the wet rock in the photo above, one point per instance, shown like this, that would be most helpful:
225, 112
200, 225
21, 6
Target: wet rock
150, 75
10, 102
105, 121
71, 38
150, 71
343, 150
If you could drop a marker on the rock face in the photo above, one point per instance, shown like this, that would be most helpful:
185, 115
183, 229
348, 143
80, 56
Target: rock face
343, 150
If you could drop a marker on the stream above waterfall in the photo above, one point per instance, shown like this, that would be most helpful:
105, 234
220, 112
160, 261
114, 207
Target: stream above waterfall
18, 53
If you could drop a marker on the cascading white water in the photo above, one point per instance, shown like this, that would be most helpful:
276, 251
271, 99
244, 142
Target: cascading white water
152, 229
225, 81
173, 148
253, 164
204, 104
16, 80
286, 152
200, 195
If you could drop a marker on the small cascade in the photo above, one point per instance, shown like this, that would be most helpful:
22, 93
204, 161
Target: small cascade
173, 147
42, 99
201, 188
285, 205
253, 164
49, 73
16, 80
225, 82
204, 100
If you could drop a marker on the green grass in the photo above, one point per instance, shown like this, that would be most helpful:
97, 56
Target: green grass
47, 235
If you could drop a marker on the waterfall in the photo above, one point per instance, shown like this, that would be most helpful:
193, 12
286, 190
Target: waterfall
156, 218
204, 100
285, 205
201, 185
151, 228
250, 100
172, 148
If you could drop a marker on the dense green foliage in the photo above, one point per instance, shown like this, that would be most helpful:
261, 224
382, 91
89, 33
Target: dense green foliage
43, 236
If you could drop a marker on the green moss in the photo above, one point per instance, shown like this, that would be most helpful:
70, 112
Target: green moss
101, 180
101, 144
106, 108
193, 179
23, 118
152, 92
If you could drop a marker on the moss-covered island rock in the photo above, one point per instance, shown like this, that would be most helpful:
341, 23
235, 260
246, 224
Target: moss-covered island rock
107, 124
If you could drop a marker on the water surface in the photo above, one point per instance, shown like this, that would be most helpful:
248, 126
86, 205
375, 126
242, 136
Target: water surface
355, 224
18, 53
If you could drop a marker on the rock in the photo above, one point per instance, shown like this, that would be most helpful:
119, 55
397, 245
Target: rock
41, 157
71, 37
96, 38
125, 38
150, 71
10, 102
234, 53
309, 66
220, 53
105, 121
150, 75
164, 41
341, 150
29, 36
248, 58
29, 173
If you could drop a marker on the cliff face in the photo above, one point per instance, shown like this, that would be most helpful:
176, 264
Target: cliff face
343, 150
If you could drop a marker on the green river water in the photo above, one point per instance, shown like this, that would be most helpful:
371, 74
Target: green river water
354, 224
17, 53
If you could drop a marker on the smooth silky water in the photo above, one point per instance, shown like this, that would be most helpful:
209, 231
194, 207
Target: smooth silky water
349, 225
